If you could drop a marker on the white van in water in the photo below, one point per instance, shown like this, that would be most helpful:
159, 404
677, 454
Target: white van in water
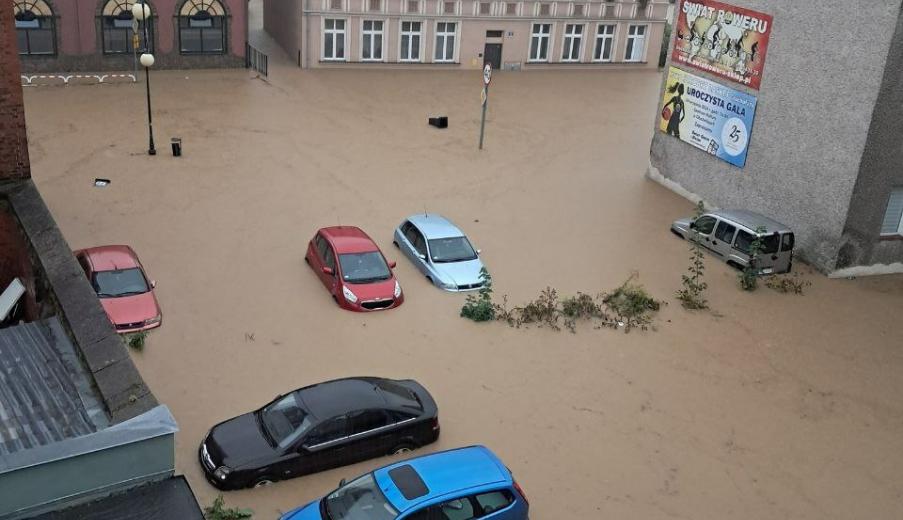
728, 234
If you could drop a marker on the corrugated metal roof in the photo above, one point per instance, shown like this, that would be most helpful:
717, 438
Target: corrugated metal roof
39, 401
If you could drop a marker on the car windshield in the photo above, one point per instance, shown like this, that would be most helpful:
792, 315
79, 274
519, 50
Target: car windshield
360, 499
456, 249
364, 267
286, 420
122, 282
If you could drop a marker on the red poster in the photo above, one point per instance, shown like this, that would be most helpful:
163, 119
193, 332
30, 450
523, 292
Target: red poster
724, 40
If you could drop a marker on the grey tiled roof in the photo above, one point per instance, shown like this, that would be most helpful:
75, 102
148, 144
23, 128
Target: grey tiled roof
39, 398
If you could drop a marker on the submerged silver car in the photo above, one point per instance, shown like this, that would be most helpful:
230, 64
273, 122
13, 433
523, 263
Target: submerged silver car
440, 251
728, 234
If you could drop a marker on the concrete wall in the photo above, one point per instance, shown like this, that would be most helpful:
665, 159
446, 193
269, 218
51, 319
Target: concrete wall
822, 78
80, 44
13, 146
282, 20
304, 33
880, 171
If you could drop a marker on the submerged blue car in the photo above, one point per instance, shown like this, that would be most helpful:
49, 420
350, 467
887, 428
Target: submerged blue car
457, 484
440, 251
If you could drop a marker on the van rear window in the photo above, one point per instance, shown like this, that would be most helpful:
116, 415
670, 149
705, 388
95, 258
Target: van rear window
744, 240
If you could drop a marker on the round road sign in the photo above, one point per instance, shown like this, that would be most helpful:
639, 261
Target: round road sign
487, 74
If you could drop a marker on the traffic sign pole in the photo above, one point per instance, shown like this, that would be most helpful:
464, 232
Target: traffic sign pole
487, 77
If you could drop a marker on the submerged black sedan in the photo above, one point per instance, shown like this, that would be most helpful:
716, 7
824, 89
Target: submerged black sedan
319, 427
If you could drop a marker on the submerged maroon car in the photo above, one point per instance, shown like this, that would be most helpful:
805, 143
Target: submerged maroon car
353, 269
121, 284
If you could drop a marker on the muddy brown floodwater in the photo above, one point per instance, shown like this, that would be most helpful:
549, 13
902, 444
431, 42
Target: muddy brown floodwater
773, 406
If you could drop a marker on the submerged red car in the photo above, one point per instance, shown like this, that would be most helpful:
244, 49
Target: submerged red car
121, 284
353, 269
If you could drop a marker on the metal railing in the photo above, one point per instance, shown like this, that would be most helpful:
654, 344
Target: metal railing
254, 59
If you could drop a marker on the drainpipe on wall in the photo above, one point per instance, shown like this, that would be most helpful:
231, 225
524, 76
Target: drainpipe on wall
305, 17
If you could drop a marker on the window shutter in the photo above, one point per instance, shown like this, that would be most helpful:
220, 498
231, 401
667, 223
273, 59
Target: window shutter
893, 217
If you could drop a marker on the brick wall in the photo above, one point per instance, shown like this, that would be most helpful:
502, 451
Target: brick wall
13, 143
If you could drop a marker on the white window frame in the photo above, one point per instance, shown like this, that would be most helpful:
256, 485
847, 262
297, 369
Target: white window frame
895, 195
645, 40
326, 32
381, 32
445, 35
419, 33
614, 43
568, 36
549, 37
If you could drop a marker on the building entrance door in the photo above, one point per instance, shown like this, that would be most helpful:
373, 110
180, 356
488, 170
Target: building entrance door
492, 54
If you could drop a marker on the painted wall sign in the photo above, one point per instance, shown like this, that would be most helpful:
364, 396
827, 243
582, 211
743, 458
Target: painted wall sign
722, 39
707, 115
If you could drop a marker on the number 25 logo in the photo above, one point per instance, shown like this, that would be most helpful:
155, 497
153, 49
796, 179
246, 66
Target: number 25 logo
735, 134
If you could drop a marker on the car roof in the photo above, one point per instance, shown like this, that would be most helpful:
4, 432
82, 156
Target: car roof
111, 258
349, 239
751, 220
433, 225
442, 473
326, 400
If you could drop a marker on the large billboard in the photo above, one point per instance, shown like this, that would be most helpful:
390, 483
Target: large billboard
722, 39
712, 117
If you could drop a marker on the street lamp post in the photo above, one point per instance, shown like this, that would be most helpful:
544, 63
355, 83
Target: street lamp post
142, 12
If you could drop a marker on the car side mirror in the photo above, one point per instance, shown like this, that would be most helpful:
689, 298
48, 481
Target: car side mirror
422, 256
153, 284
392, 264
342, 482
479, 251
328, 270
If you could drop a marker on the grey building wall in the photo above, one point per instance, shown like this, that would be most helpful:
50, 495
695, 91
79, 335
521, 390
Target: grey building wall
822, 76
282, 21
880, 171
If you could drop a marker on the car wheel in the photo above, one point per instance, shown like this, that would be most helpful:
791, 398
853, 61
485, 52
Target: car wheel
263, 482
401, 449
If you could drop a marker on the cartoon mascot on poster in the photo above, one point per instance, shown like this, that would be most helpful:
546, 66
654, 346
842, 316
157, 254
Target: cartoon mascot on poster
719, 42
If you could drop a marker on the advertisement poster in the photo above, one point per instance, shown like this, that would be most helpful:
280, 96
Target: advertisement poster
722, 39
707, 115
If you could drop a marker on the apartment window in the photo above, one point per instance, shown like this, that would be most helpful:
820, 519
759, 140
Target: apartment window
372, 40
893, 216
448, 7
333, 39
485, 7
511, 9
605, 41
35, 28
335, 5
636, 43
539, 42
375, 5
413, 6
494, 34
116, 24
579, 10
410, 41
445, 41
202, 27
545, 9
573, 37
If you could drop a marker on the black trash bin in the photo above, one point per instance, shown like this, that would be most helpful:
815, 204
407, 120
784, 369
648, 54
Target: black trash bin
439, 122
176, 147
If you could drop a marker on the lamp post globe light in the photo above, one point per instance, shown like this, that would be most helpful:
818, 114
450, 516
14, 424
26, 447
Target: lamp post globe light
142, 12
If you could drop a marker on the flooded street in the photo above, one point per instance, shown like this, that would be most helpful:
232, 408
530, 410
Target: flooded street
770, 406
